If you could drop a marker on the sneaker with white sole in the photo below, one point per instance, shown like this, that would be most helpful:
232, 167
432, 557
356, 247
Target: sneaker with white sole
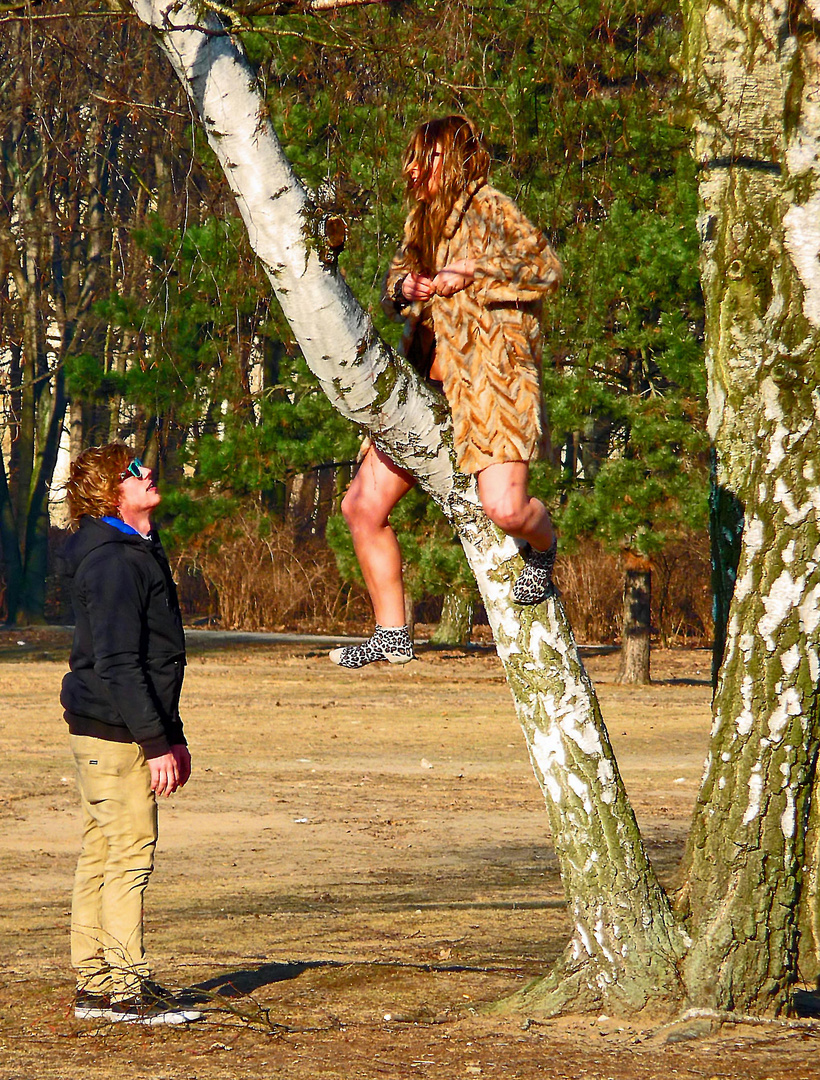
90, 1006
150, 1011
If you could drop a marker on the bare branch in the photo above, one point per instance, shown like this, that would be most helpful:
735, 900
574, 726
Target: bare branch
238, 16
130, 103
18, 13
303, 7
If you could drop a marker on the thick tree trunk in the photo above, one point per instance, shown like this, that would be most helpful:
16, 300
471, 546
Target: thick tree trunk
755, 71
636, 636
455, 626
410, 614
625, 944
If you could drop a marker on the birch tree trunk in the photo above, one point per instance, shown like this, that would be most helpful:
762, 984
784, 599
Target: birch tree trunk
625, 944
755, 72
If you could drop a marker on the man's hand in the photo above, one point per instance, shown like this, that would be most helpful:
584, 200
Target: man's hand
417, 287
183, 756
170, 771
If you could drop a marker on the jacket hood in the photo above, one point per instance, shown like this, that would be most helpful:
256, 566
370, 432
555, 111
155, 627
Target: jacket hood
92, 534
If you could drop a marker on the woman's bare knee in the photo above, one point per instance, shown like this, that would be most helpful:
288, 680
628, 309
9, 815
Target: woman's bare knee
376, 488
510, 519
350, 507
364, 514
360, 516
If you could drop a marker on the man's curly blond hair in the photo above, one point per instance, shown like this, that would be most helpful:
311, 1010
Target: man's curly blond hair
93, 487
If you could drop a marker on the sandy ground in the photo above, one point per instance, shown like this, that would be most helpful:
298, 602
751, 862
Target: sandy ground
358, 859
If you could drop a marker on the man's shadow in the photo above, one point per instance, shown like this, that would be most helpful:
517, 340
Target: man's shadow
806, 1004
235, 984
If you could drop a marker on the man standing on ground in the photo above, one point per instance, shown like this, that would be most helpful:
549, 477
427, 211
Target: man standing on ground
121, 701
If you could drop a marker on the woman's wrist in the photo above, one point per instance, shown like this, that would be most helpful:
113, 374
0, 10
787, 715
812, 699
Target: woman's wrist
397, 293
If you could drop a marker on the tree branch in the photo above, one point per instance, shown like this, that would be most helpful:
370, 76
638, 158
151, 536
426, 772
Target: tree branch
17, 13
304, 7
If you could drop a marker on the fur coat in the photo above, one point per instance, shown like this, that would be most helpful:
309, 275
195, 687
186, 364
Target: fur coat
488, 335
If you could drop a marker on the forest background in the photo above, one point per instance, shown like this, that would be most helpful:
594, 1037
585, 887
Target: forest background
132, 307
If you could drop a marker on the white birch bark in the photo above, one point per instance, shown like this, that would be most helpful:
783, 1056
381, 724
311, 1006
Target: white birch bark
625, 944
756, 79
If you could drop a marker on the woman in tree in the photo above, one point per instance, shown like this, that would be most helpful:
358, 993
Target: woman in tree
468, 280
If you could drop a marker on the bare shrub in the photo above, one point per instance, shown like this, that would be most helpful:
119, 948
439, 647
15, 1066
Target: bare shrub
253, 573
263, 575
591, 581
682, 588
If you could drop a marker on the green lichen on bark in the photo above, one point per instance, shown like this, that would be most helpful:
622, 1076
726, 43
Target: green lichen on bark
746, 852
746, 846
625, 944
739, 274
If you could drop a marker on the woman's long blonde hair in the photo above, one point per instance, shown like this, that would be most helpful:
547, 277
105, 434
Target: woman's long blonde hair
465, 159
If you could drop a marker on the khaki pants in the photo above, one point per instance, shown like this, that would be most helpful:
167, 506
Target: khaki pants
116, 860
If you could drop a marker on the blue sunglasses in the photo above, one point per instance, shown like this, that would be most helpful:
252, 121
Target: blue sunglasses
134, 469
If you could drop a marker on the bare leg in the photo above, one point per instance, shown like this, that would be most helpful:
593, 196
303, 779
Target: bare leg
503, 492
507, 502
376, 488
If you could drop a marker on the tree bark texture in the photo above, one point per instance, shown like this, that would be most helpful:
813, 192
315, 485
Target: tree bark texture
636, 635
755, 76
455, 626
625, 944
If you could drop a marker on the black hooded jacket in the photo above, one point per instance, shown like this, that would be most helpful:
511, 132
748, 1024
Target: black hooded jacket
128, 656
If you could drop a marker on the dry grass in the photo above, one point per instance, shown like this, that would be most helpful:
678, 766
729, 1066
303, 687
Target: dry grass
263, 575
253, 573
352, 846
591, 581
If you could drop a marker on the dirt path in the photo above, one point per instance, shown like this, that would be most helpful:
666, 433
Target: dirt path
352, 846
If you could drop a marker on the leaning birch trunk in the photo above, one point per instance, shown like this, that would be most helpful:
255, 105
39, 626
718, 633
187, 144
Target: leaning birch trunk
625, 945
755, 71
